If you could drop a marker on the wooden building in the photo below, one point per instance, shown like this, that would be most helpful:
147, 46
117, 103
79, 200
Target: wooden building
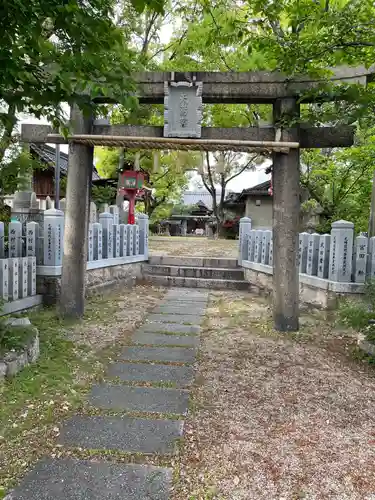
44, 179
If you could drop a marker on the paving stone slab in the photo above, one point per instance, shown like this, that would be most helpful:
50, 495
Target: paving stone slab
142, 399
133, 435
172, 354
71, 479
145, 372
149, 338
175, 328
176, 318
186, 298
182, 309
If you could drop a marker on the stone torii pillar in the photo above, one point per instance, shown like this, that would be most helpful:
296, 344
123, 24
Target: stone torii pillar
286, 207
72, 298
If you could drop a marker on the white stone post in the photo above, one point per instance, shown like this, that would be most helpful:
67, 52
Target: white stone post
15, 239
23, 263
114, 210
13, 279
90, 243
130, 249
123, 239
302, 251
258, 245
312, 254
116, 240
251, 246
93, 213
323, 262
341, 251
136, 239
106, 220
245, 228
270, 258
98, 240
32, 235
266, 238
4, 279
53, 237
2, 240
143, 224
361, 247
31, 275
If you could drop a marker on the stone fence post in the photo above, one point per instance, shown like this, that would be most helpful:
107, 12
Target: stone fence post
245, 228
106, 220
143, 224
53, 237
341, 251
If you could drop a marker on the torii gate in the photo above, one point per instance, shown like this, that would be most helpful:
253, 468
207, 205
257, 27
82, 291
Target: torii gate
211, 87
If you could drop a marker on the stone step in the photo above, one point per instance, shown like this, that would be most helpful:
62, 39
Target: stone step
194, 272
175, 328
165, 339
214, 284
125, 434
160, 354
140, 399
166, 260
182, 319
181, 376
72, 479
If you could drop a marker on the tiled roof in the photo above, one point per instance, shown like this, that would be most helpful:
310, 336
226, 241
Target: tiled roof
48, 154
202, 196
260, 189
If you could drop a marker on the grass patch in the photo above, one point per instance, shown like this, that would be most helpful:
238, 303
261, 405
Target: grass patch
14, 338
43, 394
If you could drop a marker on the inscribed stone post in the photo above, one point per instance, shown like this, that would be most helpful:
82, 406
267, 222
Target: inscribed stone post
245, 228
15, 239
49, 203
93, 213
42, 204
23, 277
266, 238
143, 234
114, 210
4, 279
32, 234
90, 243
130, 249
361, 247
184, 227
323, 262
123, 241
53, 237
1, 240
136, 239
251, 246
313, 254
116, 240
31, 279
270, 257
341, 251
98, 240
106, 220
13, 279
258, 245
302, 251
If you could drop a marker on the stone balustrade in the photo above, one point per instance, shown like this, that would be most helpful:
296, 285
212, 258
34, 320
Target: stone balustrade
29, 250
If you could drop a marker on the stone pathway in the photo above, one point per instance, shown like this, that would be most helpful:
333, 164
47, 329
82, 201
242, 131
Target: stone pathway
164, 350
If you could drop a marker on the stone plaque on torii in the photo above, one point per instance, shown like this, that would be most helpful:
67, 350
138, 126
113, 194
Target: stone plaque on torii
225, 88
183, 109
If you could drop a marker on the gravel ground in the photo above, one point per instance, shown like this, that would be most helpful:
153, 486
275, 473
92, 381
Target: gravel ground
277, 417
192, 246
